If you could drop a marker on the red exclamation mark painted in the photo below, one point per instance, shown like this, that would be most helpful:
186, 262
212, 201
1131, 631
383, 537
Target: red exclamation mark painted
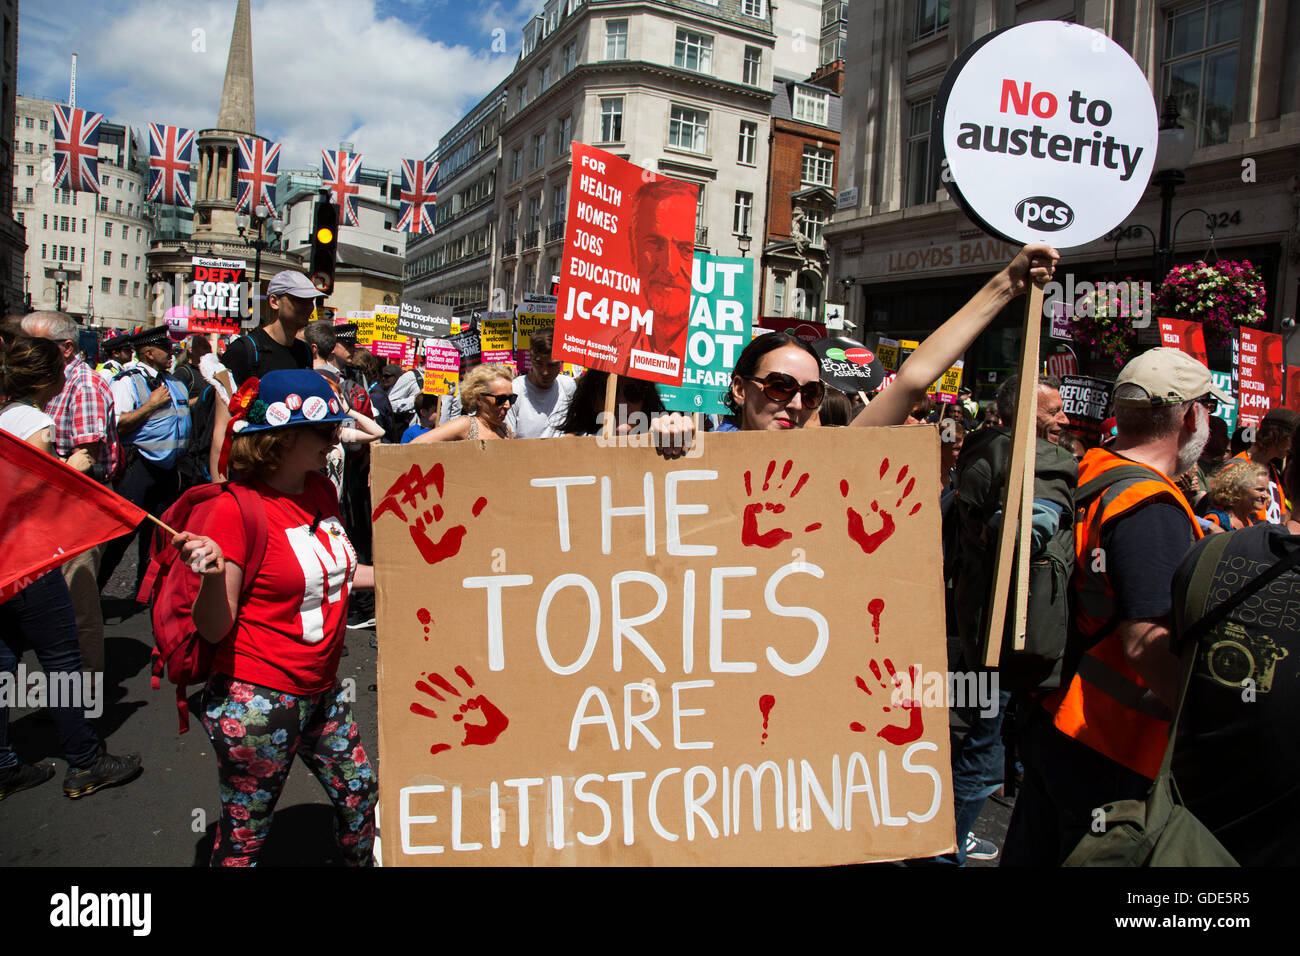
875, 607
765, 704
426, 619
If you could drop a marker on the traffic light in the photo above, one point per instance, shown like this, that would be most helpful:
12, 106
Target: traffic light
324, 245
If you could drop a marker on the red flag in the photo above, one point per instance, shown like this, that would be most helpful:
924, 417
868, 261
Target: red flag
50, 513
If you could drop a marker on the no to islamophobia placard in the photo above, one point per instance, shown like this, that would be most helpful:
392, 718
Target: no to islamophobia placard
1048, 131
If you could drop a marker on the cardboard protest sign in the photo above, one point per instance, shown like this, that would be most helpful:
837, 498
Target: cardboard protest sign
441, 368
526, 323
365, 323
1186, 336
945, 390
1086, 402
848, 365
625, 291
1062, 362
216, 302
1048, 131
467, 344
1261, 376
887, 350
1228, 410
652, 665
722, 313
496, 341
423, 320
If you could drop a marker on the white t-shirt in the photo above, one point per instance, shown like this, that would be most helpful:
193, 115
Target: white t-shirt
23, 421
538, 413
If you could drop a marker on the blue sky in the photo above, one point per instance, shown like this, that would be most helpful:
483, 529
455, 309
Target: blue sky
391, 76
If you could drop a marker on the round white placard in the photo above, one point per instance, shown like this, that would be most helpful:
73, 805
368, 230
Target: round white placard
1049, 132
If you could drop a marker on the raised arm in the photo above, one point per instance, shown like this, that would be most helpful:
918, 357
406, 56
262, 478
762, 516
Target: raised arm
950, 341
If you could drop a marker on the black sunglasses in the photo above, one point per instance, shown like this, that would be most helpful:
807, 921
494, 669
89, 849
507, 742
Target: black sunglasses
1209, 401
507, 400
780, 387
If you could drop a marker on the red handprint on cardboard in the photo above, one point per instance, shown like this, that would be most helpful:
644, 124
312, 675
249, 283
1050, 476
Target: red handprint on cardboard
893, 733
882, 520
750, 535
412, 490
476, 735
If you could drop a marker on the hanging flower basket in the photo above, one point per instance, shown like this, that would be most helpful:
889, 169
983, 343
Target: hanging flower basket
1107, 319
1221, 297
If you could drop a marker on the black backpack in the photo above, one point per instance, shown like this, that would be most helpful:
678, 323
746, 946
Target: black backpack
971, 538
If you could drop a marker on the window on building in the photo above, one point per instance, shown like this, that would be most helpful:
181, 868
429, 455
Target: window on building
778, 296
21, 221
559, 202
534, 214
45, 124
818, 166
30, 122
119, 184
83, 226
616, 39
1201, 51
689, 129
108, 258
103, 204
124, 260
108, 230
810, 105
753, 65
27, 147
126, 233
539, 149
530, 277
523, 96
43, 251
30, 196
31, 170
106, 285
744, 208
40, 148
565, 137
931, 17
611, 119
694, 51
814, 221
45, 220
516, 164
103, 179
121, 287
512, 223
544, 78
81, 254
135, 289
137, 234
137, 262
754, 8
748, 142
117, 206
919, 183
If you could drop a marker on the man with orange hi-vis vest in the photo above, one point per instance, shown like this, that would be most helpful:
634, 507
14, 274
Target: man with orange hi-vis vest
1100, 737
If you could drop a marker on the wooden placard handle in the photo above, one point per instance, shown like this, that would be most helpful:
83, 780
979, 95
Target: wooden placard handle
1018, 497
611, 395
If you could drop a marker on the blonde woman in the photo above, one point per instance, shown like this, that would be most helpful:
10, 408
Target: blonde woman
486, 394
1238, 492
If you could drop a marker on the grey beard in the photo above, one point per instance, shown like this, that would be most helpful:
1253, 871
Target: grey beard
1190, 453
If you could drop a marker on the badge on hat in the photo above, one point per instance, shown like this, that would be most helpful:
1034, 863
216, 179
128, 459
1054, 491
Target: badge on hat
313, 409
277, 414
293, 402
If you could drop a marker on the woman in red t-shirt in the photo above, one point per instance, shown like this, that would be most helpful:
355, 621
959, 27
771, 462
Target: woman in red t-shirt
274, 689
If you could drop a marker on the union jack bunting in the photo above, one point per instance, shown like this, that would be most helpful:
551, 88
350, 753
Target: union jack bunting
171, 152
415, 214
76, 149
339, 172
259, 162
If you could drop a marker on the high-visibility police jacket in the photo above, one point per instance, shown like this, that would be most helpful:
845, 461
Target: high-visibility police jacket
1106, 705
164, 435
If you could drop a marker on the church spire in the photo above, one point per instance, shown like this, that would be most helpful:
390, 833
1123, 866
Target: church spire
237, 91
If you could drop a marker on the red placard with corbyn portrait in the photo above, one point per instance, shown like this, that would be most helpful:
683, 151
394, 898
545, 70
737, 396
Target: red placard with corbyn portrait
625, 288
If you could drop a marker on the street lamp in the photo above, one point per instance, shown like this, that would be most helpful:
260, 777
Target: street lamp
60, 283
27, 290
847, 285
1173, 156
743, 240
263, 221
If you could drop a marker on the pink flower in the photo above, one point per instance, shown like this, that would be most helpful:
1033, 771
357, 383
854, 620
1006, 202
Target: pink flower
244, 784
263, 768
239, 813
242, 754
231, 727
241, 692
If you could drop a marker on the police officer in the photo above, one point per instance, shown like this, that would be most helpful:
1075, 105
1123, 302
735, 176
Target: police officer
153, 422
118, 350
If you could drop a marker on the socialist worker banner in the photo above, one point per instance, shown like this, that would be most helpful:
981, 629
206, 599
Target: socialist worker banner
625, 288
722, 311
1261, 383
215, 303
1186, 336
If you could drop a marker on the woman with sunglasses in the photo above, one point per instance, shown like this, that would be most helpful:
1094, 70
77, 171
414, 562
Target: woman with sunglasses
635, 401
776, 384
486, 394
274, 690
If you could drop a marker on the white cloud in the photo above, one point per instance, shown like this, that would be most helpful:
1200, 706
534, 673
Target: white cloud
323, 71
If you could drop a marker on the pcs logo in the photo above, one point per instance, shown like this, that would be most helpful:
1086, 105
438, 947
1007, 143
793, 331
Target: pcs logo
1045, 213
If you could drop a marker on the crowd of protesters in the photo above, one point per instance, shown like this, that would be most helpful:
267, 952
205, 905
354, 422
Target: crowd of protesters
152, 423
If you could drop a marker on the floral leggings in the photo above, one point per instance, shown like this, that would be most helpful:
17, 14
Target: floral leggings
256, 732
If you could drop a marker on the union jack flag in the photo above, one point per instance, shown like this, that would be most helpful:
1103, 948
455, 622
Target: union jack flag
339, 172
259, 162
171, 153
76, 149
415, 214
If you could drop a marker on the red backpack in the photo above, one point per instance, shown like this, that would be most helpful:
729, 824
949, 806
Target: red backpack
171, 587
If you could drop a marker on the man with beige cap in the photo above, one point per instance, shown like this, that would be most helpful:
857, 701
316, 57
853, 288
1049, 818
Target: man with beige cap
1101, 736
